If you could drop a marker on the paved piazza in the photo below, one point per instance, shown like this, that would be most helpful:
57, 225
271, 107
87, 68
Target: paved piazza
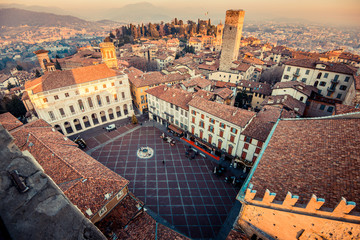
184, 192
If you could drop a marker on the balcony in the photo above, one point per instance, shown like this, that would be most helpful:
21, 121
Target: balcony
296, 74
331, 89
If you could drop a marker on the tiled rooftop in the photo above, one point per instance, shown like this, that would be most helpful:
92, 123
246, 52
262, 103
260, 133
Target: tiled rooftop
331, 67
299, 86
58, 79
237, 116
197, 82
286, 101
9, 122
312, 156
184, 192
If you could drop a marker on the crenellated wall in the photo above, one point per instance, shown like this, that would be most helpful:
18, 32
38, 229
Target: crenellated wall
271, 219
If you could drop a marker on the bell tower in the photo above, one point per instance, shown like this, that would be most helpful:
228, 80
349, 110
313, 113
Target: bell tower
108, 54
219, 33
43, 57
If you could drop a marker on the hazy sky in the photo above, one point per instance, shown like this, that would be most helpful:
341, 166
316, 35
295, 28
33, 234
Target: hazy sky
342, 11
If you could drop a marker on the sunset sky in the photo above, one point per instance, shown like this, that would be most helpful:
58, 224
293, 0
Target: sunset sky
330, 11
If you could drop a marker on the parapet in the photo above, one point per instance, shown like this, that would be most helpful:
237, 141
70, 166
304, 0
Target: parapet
234, 17
342, 210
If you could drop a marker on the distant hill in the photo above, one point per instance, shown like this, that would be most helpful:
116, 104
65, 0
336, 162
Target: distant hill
139, 12
12, 17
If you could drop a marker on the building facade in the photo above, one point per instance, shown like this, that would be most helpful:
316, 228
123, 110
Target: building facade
79, 99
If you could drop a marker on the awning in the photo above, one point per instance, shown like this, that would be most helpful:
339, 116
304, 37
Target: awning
175, 129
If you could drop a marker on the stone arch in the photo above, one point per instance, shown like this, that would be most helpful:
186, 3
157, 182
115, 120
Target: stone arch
58, 128
94, 118
125, 109
86, 121
111, 113
68, 128
103, 116
77, 124
118, 111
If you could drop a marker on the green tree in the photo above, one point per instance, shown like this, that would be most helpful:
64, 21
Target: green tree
134, 119
57, 65
15, 106
241, 99
37, 73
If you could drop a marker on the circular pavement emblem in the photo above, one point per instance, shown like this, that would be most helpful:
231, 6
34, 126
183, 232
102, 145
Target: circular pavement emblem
145, 152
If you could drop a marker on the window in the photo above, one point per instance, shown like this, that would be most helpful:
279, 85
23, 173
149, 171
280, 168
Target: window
112, 84
86, 90
51, 114
234, 130
328, 94
219, 143
336, 77
120, 82
211, 128
72, 110
98, 99
303, 80
176, 122
257, 150
326, 75
45, 100
301, 98
193, 112
232, 138
185, 114
246, 146
201, 124
347, 79
307, 72
322, 107
102, 211
243, 155
119, 195
67, 95
330, 109
247, 139
192, 129
81, 105
210, 139
222, 125
254, 158
115, 97
62, 113
319, 75
286, 76
201, 134
202, 116
339, 96
230, 149
108, 99
288, 69
221, 133
104, 85
211, 120
95, 88
322, 84
193, 120
123, 95
259, 144
56, 97
343, 87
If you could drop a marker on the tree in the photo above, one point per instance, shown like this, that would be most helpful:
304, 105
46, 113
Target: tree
241, 99
15, 106
19, 68
37, 74
134, 119
57, 65
272, 75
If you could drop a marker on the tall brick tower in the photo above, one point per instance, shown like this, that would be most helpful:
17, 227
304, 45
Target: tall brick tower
231, 38
43, 57
108, 54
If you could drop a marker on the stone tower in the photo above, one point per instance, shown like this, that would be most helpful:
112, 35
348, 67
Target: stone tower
219, 33
108, 54
231, 38
43, 57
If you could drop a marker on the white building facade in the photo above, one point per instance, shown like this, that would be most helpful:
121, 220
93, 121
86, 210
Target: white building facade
78, 107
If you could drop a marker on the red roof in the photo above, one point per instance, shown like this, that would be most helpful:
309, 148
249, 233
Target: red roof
9, 122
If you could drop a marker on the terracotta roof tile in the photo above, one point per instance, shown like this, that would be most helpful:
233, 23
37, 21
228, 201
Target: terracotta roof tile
342, 109
224, 93
331, 67
199, 82
178, 97
312, 156
84, 180
237, 116
287, 101
257, 87
261, 125
9, 122
203, 94
58, 79
299, 86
